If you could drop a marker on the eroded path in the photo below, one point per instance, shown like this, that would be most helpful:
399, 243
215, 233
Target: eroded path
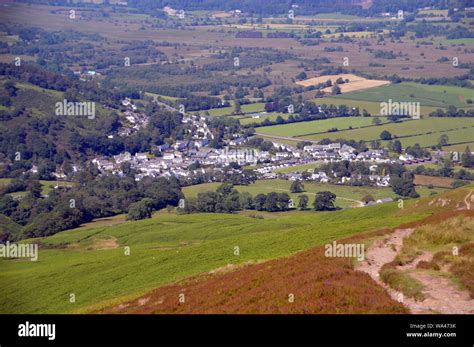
442, 296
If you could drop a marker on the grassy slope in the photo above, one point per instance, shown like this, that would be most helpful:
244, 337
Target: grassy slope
317, 126
373, 107
424, 131
426, 95
165, 249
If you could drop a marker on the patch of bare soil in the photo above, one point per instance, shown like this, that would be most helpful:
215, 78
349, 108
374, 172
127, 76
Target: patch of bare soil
101, 244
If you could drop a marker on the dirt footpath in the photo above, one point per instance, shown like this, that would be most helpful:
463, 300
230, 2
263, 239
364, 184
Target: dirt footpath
441, 295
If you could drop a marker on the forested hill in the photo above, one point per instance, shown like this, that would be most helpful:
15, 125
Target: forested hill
257, 7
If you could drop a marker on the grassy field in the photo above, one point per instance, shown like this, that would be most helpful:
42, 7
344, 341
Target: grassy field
165, 249
154, 95
372, 107
465, 41
426, 95
443, 13
425, 131
460, 136
317, 126
347, 196
272, 116
460, 147
47, 186
224, 111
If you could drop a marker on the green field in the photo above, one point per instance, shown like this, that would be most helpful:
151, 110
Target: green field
347, 196
460, 136
166, 249
317, 126
465, 41
272, 116
154, 95
460, 147
47, 186
426, 95
424, 131
373, 107
224, 111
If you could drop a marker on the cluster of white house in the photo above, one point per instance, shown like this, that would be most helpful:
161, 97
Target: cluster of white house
135, 119
344, 152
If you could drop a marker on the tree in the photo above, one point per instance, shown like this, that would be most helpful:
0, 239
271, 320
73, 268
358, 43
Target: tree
237, 108
301, 76
206, 201
416, 151
467, 159
385, 135
10, 88
396, 146
324, 201
302, 144
140, 210
283, 202
335, 90
376, 121
303, 202
246, 201
376, 144
443, 140
367, 198
259, 202
404, 185
296, 187
271, 202
35, 188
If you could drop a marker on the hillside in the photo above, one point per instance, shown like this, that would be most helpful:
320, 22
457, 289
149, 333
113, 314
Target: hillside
31, 127
90, 262
333, 286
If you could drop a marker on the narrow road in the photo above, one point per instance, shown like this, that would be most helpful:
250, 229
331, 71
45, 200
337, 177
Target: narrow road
360, 203
166, 106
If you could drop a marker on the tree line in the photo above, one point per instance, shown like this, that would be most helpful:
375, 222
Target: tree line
227, 199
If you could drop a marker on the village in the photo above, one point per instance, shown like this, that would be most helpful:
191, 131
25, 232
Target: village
186, 159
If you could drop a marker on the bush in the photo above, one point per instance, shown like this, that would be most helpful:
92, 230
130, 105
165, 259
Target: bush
428, 265
140, 210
